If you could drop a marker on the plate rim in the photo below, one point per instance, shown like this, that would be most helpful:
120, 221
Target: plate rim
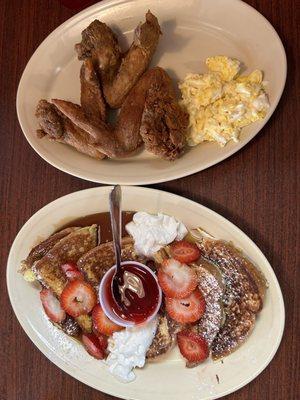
103, 191
150, 181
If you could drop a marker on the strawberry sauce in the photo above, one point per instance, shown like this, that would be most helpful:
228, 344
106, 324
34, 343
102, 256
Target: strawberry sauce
139, 294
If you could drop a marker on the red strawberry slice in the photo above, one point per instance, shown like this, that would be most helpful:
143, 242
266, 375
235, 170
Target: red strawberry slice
102, 324
177, 280
93, 346
52, 306
185, 252
71, 271
186, 310
192, 346
78, 298
102, 341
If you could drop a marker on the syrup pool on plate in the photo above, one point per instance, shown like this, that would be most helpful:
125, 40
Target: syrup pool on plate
139, 294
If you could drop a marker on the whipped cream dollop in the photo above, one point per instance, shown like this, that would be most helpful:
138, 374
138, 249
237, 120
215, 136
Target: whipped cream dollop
128, 350
152, 232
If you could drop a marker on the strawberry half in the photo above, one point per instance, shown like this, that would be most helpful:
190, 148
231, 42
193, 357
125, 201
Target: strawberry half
93, 346
78, 298
102, 324
185, 252
192, 346
71, 271
186, 310
176, 280
52, 306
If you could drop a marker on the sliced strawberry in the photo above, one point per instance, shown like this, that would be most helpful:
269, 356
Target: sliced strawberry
93, 346
78, 298
102, 341
186, 310
185, 252
71, 271
192, 346
102, 324
52, 306
176, 280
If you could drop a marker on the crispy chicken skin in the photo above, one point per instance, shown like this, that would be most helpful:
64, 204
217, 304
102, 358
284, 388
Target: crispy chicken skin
119, 72
56, 127
100, 134
100, 44
163, 123
91, 98
51, 123
164, 136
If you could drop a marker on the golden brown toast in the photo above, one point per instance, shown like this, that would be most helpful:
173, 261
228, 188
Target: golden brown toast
68, 249
100, 259
212, 289
42, 248
164, 337
243, 298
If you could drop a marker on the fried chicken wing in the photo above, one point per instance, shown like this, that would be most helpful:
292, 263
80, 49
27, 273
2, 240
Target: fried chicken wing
163, 135
91, 98
163, 123
56, 127
99, 134
128, 125
149, 112
51, 123
100, 44
119, 73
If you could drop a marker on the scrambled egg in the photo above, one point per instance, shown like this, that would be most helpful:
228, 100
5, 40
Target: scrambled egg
221, 102
29, 276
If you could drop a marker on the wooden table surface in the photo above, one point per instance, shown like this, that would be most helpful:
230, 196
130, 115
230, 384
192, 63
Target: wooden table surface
256, 189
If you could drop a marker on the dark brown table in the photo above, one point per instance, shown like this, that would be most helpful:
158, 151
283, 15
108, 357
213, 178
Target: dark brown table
256, 189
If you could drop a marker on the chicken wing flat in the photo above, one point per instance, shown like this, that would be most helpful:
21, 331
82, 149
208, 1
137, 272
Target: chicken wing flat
91, 99
119, 72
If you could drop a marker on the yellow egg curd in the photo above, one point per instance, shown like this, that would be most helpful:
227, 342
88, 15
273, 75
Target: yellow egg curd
221, 102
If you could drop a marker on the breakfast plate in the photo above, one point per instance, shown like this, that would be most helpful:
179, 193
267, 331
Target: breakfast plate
192, 31
157, 379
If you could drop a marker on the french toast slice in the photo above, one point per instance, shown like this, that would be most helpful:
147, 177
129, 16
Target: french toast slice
211, 285
165, 336
41, 249
68, 249
95, 263
212, 289
245, 289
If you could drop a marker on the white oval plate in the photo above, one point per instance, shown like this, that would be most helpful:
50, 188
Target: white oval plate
167, 378
192, 31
